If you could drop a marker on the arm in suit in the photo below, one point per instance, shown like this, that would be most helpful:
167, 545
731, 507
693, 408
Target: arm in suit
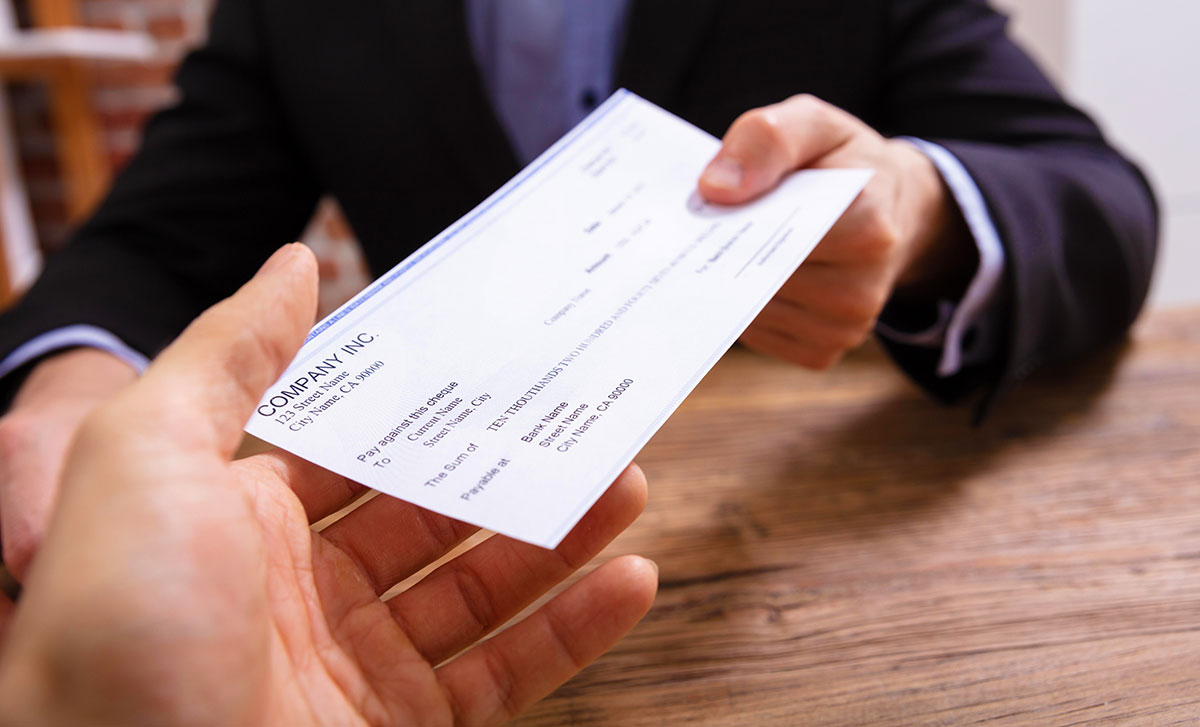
218, 185
1078, 221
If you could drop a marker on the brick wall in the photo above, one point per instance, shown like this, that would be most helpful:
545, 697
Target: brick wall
124, 97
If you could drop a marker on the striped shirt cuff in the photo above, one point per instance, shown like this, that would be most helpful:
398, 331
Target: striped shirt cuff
72, 337
955, 320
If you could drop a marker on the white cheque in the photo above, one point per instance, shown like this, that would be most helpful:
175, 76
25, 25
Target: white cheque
510, 368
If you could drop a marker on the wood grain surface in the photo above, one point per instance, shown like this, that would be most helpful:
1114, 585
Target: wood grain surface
835, 549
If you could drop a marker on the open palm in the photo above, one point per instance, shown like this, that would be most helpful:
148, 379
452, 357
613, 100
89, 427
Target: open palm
178, 587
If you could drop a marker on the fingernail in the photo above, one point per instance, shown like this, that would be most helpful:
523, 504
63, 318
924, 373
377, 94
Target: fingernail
279, 259
653, 564
723, 172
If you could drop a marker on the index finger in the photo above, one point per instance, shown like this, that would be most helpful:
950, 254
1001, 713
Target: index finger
765, 144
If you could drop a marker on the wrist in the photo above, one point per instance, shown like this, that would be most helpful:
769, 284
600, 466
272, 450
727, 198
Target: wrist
87, 373
940, 253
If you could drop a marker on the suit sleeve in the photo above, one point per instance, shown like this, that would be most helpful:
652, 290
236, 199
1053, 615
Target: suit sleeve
218, 184
1078, 221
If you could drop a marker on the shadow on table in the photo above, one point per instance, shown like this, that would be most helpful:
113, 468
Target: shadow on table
854, 469
901, 455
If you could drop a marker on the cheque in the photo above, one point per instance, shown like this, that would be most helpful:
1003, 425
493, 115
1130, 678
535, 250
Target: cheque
510, 368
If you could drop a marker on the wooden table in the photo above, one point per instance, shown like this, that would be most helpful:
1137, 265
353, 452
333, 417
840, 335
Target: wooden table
837, 550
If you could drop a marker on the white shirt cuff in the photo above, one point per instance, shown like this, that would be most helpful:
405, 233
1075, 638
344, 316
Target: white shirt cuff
956, 320
72, 337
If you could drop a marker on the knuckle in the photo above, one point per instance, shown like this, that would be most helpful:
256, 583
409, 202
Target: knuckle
249, 346
879, 238
820, 112
503, 681
870, 305
248, 351
824, 360
842, 338
858, 310
752, 119
856, 336
811, 357
441, 531
808, 102
837, 340
475, 598
759, 126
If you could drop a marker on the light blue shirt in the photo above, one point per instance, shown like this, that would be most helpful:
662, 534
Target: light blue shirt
546, 64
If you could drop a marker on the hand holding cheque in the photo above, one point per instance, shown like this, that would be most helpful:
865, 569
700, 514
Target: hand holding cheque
177, 587
903, 236
509, 369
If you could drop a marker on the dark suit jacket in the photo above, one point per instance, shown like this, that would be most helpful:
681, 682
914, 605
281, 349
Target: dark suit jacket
380, 105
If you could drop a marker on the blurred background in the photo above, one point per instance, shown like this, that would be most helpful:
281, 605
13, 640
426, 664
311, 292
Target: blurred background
1132, 63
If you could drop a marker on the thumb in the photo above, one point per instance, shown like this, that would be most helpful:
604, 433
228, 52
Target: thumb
765, 144
222, 363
